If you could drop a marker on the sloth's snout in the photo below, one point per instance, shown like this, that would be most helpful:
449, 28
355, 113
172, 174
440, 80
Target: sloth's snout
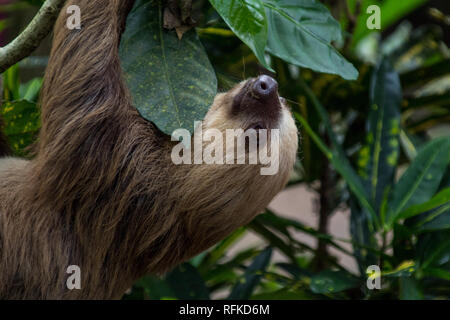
258, 100
265, 87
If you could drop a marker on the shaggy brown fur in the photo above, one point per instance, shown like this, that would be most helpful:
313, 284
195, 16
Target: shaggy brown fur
102, 192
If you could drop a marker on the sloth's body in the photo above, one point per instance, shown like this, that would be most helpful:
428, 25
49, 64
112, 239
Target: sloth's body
102, 192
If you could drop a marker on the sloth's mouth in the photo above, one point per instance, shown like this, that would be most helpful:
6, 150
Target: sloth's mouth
259, 101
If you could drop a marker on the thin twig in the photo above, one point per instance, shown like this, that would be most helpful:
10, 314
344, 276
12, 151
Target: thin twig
25, 43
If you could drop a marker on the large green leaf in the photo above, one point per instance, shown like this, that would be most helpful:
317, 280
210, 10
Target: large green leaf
378, 159
300, 32
172, 81
312, 15
421, 180
329, 281
362, 234
252, 276
248, 21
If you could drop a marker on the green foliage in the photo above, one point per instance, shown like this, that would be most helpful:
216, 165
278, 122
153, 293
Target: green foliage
378, 158
22, 123
329, 281
252, 276
247, 19
392, 11
422, 178
300, 32
19, 111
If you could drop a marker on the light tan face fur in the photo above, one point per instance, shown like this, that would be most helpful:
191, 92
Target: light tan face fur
220, 117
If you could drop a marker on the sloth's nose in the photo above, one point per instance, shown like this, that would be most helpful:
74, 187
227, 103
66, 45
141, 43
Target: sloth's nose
265, 87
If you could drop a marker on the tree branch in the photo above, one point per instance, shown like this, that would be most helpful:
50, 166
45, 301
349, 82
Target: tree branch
25, 43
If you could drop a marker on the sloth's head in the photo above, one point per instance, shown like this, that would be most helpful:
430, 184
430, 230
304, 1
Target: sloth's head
223, 196
255, 106
251, 104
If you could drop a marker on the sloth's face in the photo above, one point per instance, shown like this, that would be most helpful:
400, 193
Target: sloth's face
251, 104
254, 104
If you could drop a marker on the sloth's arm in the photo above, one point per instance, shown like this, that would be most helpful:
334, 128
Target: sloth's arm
83, 87
89, 128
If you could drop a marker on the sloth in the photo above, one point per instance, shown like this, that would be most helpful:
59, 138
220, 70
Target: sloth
102, 193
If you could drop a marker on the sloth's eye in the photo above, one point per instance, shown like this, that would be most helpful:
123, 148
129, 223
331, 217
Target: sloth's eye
256, 127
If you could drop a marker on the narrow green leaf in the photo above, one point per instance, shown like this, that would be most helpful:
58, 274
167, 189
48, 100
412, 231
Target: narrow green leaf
282, 224
252, 276
405, 269
248, 21
223, 272
300, 32
408, 146
11, 84
421, 180
438, 273
274, 239
30, 90
362, 234
378, 159
445, 183
438, 219
219, 250
294, 270
441, 198
171, 81
436, 252
431, 249
342, 165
